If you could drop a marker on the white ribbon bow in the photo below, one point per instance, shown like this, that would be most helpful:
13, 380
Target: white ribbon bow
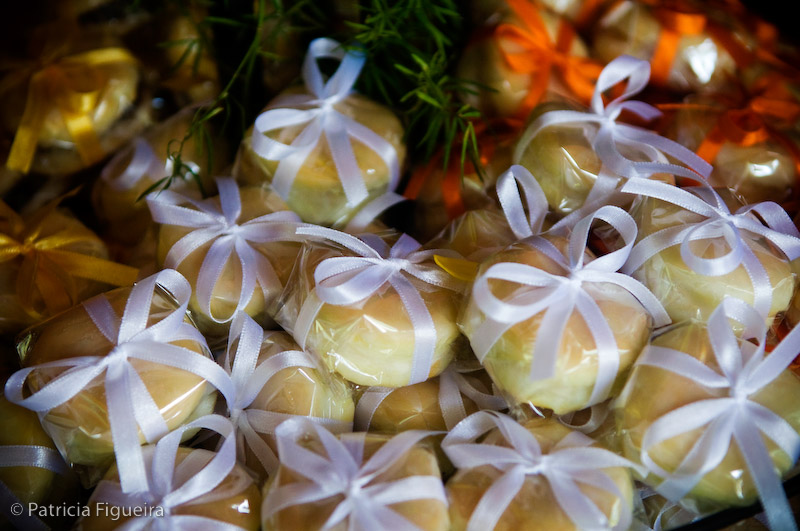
219, 224
744, 371
347, 280
454, 384
612, 133
343, 473
522, 225
559, 295
248, 380
128, 402
776, 227
323, 118
26, 456
571, 462
189, 483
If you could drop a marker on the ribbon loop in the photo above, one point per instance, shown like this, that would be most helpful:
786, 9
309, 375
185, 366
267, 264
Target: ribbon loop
508, 194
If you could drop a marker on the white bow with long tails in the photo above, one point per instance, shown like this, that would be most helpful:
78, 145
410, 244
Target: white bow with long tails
323, 119
343, 472
130, 406
220, 225
559, 295
744, 370
570, 463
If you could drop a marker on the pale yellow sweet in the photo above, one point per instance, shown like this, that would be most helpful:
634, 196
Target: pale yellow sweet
426, 514
256, 201
80, 426
317, 194
535, 506
633, 28
370, 342
475, 234
238, 509
686, 294
509, 360
653, 392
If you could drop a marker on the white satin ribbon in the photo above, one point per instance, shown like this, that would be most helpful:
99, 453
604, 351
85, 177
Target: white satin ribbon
144, 161
343, 472
220, 225
558, 295
249, 377
196, 480
130, 406
611, 134
508, 193
347, 280
26, 456
744, 371
320, 114
369, 212
571, 462
720, 223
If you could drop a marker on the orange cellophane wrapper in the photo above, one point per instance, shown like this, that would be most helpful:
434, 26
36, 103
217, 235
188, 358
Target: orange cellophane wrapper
687, 52
80, 427
49, 261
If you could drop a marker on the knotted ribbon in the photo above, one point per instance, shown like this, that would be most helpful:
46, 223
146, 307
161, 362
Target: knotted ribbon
559, 295
744, 370
571, 462
611, 134
323, 119
220, 225
130, 405
774, 225
248, 378
347, 280
26, 456
195, 481
48, 266
343, 472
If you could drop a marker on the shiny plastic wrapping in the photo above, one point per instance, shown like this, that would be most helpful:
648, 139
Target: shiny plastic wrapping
370, 342
80, 427
678, 43
235, 501
426, 514
652, 392
256, 201
509, 359
297, 391
317, 195
117, 194
686, 294
475, 235
535, 506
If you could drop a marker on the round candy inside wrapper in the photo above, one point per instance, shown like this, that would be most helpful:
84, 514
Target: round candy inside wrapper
712, 417
235, 249
539, 475
186, 489
374, 315
50, 261
597, 320
692, 258
326, 150
682, 45
84, 366
275, 381
364, 481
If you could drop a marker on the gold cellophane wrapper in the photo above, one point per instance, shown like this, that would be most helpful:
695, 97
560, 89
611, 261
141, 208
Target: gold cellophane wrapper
79, 427
509, 360
689, 295
534, 507
240, 509
370, 342
297, 391
256, 201
426, 514
317, 194
652, 392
